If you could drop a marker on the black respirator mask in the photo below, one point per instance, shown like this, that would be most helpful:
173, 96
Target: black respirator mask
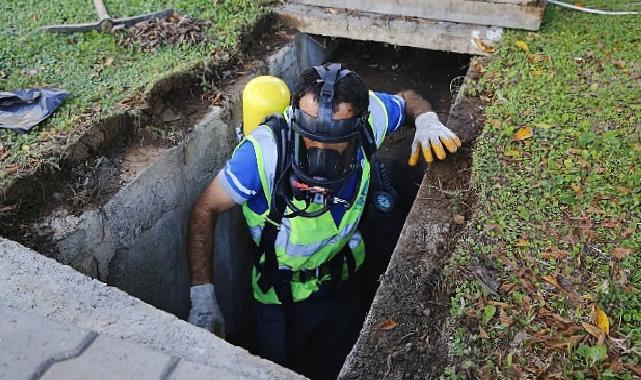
325, 151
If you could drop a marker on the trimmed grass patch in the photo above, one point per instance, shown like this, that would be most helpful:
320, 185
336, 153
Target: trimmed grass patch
97, 72
558, 224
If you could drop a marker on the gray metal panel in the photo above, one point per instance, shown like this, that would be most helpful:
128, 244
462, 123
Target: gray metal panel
518, 14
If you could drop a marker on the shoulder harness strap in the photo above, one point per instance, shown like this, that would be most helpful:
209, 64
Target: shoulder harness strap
269, 272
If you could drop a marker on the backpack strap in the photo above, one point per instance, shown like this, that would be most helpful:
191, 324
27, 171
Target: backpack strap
269, 272
367, 137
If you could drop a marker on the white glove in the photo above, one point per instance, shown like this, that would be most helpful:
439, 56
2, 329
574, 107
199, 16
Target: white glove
430, 133
204, 311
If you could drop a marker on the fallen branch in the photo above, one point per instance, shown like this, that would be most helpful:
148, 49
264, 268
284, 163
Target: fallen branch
106, 24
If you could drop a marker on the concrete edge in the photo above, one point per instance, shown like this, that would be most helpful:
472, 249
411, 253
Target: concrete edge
62, 294
424, 34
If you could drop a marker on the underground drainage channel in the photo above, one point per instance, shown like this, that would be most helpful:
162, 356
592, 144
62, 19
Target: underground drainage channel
125, 223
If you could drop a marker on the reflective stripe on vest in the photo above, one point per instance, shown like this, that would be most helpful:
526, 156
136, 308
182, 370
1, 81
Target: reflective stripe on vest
307, 243
378, 118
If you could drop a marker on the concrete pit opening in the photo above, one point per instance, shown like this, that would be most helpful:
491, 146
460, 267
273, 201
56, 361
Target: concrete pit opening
116, 209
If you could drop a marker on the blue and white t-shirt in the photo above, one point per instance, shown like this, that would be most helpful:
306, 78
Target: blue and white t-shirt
241, 180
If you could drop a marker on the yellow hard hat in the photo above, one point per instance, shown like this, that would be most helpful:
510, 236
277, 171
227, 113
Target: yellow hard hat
263, 96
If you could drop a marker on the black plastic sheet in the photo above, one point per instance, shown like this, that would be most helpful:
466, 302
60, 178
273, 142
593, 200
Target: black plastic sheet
23, 109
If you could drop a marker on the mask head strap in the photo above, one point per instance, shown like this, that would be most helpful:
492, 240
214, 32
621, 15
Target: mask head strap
330, 77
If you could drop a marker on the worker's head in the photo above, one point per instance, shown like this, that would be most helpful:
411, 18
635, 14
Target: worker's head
329, 108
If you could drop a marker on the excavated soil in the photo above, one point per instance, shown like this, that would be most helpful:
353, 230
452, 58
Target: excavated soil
404, 334
112, 151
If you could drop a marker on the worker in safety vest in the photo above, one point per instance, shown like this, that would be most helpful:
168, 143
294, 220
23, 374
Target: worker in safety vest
302, 180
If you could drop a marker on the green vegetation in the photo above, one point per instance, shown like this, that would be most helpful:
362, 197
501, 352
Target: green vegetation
97, 72
558, 223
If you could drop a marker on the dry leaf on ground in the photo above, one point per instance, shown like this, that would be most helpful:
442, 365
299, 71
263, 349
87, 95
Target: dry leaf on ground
593, 330
624, 189
519, 338
522, 45
522, 243
482, 333
636, 370
388, 324
522, 134
11, 169
483, 46
495, 123
551, 280
555, 253
602, 320
621, 252
505, 319
535, 58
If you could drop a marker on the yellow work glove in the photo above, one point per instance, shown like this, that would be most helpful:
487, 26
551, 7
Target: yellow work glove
432, 135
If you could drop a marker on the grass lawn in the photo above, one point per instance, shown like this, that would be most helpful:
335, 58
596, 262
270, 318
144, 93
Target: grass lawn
97, 72
550, 272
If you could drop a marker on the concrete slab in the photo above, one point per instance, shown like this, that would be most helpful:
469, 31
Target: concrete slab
518, 14
192, 371
109, 358
32, 282
419, 33
29, 344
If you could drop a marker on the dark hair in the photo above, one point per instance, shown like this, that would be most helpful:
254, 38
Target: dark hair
351, 89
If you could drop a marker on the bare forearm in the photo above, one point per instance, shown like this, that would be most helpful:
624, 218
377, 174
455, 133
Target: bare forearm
414, 105
200, 237
200, 243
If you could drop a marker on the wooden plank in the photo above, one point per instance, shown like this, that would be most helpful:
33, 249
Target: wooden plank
518, 14
425, 34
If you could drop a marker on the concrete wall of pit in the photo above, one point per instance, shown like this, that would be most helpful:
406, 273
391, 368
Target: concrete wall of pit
137, 240
64, 295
